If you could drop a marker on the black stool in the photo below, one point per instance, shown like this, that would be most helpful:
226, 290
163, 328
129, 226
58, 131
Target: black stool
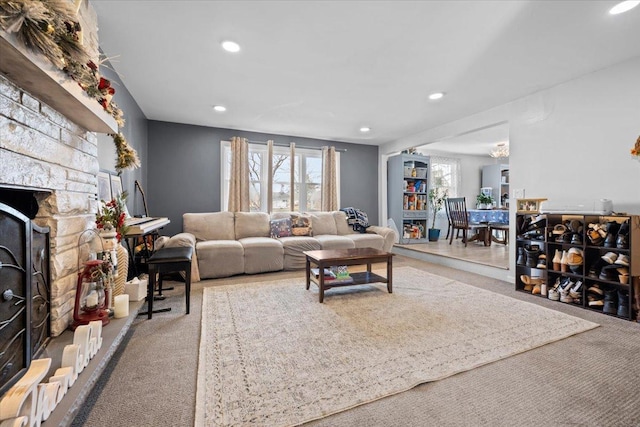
168, 260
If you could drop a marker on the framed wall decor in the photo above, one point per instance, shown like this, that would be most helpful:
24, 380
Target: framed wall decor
529, 205
116, 186
104, 186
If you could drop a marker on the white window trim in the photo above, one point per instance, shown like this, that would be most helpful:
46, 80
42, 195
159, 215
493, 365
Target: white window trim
224, 169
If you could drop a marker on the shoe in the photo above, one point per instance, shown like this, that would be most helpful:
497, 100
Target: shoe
610, 302
554, 295
610, 273
536, 290
576, 291
622, 260
532, 253
559, 229
542, 261
529, 282
622, 240
623, 304
610, 257
595, 302
575, 256
612, 234
595, 289
576, 239
556, 260
594, 236
520, 260
564, 266
565, 297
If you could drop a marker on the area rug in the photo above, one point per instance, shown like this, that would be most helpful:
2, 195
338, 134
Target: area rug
272, 355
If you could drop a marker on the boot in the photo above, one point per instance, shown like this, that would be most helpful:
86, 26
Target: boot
564, 266
532, 253
610, 302
612, 234
622, 241
556, 260
623, 304
520, 260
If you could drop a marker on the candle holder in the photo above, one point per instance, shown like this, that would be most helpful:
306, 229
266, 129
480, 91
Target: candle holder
92, 292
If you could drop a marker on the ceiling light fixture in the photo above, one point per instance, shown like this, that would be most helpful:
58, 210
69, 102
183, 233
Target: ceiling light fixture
499, 151
365, 129
623, 7
436, 95
230, 46
220, 108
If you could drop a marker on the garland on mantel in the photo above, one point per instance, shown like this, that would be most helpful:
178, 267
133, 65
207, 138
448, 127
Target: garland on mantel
50, 27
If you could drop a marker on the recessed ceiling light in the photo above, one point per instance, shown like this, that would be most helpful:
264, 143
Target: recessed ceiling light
220, 108
436, 95
365, 129
230, 46
623, 7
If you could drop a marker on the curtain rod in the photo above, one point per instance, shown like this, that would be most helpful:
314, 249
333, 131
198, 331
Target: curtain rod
342, 150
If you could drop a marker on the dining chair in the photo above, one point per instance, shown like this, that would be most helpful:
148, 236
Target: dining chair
450, 225
457, 208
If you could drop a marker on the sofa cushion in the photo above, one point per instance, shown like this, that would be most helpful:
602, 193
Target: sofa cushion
252, 224
328, 241
323, 223
209, 225
368, 240
342, 226
220, 258
262, 254
280, 228
294, 259
301, 225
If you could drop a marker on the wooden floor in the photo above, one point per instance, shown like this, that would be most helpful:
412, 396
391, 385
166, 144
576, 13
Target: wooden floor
496, 255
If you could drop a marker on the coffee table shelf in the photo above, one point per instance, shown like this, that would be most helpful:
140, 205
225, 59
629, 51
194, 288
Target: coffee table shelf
357, 256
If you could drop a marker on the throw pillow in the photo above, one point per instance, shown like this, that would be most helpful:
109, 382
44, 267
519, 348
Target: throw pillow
357, 219
301, 225
280, 227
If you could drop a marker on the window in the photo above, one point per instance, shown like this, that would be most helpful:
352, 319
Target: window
445, 174
307, 178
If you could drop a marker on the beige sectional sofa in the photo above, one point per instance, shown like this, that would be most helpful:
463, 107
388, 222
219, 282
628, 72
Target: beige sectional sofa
229, 243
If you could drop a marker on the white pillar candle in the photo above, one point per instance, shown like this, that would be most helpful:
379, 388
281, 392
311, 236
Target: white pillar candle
92, 299
121, 306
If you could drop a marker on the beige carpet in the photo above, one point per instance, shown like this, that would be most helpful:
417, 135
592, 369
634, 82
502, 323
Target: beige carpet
271, 355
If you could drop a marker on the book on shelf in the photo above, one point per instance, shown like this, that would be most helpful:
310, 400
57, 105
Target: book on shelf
328, 274
339, 280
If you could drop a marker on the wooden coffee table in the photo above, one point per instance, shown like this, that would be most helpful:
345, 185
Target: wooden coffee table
358, 256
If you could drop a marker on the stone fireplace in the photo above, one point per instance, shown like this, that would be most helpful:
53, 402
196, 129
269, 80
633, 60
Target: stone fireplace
43, 151
49, 146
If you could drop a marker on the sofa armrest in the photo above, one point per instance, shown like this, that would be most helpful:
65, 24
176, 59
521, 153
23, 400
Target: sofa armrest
387, 233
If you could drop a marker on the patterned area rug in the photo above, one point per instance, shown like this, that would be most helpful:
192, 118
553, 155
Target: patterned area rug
271, 355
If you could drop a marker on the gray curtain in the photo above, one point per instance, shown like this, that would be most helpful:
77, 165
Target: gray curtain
239, 180
329, 190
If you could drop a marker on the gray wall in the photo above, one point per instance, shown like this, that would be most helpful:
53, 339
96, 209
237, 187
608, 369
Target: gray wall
135, 131
184, 170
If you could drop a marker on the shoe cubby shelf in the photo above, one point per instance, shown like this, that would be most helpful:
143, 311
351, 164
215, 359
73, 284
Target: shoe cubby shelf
591, 261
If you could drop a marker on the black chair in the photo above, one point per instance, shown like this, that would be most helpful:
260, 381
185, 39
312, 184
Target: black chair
168, 260
457, 208
450, 225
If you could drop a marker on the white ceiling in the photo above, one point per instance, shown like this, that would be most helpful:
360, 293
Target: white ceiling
323, 69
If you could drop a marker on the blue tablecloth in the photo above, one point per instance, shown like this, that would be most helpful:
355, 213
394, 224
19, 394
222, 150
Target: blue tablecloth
488, 215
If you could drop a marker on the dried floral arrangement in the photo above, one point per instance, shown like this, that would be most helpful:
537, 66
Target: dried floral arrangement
49, 27
112, 216
635, 151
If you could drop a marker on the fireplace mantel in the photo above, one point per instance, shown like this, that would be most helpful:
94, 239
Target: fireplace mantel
35, 74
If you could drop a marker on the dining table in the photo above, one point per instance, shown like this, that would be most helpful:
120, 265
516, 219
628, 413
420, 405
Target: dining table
497, 217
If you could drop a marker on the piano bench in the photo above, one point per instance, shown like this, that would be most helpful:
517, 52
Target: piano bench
169, 260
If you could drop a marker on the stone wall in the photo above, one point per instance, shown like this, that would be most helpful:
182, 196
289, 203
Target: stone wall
42, 149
